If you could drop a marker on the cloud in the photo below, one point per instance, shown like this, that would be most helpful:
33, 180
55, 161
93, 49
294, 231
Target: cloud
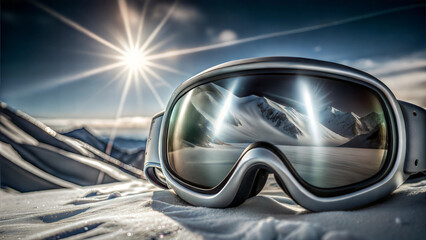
317, 49
185, 14
227, 35
62, 124
182, 13
405, 76
363, 63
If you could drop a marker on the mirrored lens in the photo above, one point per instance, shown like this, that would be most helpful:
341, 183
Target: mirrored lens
333, 132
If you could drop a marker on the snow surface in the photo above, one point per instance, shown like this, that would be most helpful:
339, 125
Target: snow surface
138, 210
34, 157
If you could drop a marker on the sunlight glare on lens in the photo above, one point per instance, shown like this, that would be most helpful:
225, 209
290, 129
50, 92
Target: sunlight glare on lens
185, 105
310, 112
225, 110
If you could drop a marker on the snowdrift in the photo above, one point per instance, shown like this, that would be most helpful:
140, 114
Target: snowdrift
34, 157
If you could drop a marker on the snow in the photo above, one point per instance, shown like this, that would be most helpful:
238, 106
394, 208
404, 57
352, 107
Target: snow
33, 157
138, 210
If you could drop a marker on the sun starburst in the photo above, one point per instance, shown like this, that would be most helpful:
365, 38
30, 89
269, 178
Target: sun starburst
136, 60
130, 56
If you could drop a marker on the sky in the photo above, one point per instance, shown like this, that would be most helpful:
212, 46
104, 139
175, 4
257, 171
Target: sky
51, 70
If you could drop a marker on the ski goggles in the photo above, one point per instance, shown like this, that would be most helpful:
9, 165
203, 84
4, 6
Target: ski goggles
334, 137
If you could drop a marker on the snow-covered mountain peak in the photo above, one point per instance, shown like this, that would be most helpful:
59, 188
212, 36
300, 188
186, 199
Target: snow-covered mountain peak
334, 110
347, 124
329, 110
257, 118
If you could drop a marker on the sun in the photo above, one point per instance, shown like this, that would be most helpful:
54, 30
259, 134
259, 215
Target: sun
134, 59
131, 56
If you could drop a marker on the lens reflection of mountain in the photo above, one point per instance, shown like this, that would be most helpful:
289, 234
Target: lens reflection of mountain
216, 126
254, 118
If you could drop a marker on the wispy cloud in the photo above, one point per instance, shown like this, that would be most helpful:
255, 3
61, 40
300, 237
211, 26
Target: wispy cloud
221, 36
62, 124
317, 49
182, 13
405, 76
227, 35
185, 51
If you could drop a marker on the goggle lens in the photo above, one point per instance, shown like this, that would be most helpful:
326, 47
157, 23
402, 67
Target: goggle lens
333, 132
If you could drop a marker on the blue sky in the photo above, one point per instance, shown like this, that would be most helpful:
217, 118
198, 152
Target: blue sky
39, 52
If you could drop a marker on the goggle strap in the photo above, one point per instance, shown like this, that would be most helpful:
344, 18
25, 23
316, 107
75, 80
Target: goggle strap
415, 127
152, 158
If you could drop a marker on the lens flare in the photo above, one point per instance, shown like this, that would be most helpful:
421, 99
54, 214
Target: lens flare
137, 56
134, 59
130, 57
311, 114
224, 111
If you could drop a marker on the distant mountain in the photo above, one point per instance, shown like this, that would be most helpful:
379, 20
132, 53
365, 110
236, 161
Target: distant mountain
372, 120
251, 118
86, 136
274, 113
373, 139
34, 157
127, 153
127, 144
293, 123
346, 124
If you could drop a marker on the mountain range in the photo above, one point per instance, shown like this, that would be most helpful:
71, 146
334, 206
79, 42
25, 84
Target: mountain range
252, 117
129, 151
35, 157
